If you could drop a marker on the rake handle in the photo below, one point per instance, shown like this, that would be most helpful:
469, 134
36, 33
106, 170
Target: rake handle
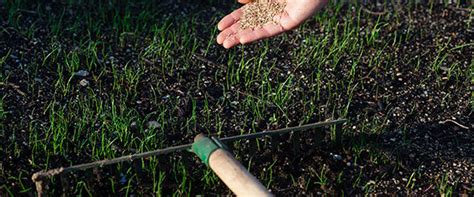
237, 178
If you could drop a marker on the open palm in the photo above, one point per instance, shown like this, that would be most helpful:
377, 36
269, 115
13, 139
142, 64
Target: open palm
295, 13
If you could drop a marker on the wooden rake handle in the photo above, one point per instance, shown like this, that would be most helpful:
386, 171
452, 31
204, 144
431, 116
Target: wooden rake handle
228, 169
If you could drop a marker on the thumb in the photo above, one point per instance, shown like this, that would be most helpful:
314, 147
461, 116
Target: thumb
244, 1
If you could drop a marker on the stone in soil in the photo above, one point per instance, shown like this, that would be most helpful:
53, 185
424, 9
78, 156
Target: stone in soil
153, 125
81, 73
84, 83
260, 12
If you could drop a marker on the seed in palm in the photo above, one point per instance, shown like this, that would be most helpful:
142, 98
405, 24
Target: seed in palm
260, 12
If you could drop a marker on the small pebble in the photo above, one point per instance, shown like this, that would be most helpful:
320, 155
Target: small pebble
133, 125
337, 157
153, 124
84, 83
123, 179
81, 73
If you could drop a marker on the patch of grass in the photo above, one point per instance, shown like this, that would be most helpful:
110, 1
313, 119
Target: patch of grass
444, 186
322, 179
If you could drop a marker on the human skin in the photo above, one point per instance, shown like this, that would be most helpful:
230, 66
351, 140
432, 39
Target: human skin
295, 13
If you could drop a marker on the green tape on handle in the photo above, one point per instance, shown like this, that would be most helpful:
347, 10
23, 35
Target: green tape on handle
204, 147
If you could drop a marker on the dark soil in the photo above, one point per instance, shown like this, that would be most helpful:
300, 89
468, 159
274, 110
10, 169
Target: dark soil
410, 102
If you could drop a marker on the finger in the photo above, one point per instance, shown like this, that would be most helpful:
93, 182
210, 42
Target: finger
297, 13
230, 19
227, 33
266, 31
231, 41
288, 22
244, 1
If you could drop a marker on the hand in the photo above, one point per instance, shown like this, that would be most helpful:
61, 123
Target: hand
295, 13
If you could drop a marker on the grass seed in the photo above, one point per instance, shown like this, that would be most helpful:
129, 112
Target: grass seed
260, 12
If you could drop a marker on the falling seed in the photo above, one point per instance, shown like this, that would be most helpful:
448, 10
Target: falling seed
260, 12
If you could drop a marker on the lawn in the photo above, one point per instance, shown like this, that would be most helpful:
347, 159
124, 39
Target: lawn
82, 81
